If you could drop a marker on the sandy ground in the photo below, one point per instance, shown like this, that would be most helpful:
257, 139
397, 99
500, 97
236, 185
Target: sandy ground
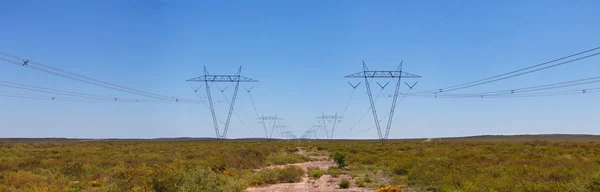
323, 184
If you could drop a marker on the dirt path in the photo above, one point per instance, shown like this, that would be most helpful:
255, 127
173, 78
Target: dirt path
323, 184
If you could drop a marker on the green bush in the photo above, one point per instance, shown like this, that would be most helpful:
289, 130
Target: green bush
359, 183
75, 170
315, 172
340, 158
400, 171
344, 184
594, 183
166, 180
289, 174
285, 158
334, 172
291, 149
202, 180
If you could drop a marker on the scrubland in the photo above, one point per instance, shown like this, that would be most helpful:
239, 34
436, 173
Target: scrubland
235, 165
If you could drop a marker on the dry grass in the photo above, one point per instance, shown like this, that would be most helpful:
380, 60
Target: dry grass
207, 165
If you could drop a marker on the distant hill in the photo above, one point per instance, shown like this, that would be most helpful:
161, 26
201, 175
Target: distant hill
543, 137
487, 138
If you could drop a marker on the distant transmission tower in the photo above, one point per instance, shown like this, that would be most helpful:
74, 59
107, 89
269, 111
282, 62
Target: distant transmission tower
272, 120
333, 119
315, 131
237, 78
367, 74
281, 129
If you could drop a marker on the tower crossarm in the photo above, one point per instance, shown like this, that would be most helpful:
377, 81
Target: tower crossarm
222, 78
382, 74
269, 118
329, 117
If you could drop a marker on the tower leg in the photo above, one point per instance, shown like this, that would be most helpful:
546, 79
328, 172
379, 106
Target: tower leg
333, 128
273, 128
389, 125
372, 102
212, 108
325, 126
237, 85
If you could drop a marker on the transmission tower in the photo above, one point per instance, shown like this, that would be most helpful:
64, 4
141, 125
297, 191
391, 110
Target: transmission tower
315, 130
307, 134
207, 78
397, 74
333, 119
289, 135
281, 129
272, 120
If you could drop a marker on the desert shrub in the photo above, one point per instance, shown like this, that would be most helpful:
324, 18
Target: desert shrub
22, 179
75, 170
251, 158
166, 179
457, 165
256, 183
388, 189
339, 158
359, 183
202, 180
344, 184
400, 171
29, 163
128, 178
75, 187
284, 158
334, 172
219, 168
291, 149
594, 183
315, 172
289, 174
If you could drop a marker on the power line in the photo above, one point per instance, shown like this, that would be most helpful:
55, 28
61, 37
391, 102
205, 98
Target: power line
81, 78
68, 93
531, 89
542, 94
348, 103
447, 16
366, 112
205, 104
516, 73
533, 19
50, 98
235, 113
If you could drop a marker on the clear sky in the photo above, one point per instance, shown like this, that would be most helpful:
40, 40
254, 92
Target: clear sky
299, 51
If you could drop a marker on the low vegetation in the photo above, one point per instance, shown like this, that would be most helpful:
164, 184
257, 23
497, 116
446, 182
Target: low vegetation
315, 172
285, 158
339, 158
289, 174
143, 166
232, 166
477, 166
344, 184
389, 189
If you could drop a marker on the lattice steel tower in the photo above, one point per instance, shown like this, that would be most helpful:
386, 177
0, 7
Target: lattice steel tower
237, 79
367, 74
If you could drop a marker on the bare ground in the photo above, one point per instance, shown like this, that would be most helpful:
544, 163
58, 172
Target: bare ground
323, 184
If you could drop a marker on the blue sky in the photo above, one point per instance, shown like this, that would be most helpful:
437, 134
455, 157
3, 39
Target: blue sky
299, 51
